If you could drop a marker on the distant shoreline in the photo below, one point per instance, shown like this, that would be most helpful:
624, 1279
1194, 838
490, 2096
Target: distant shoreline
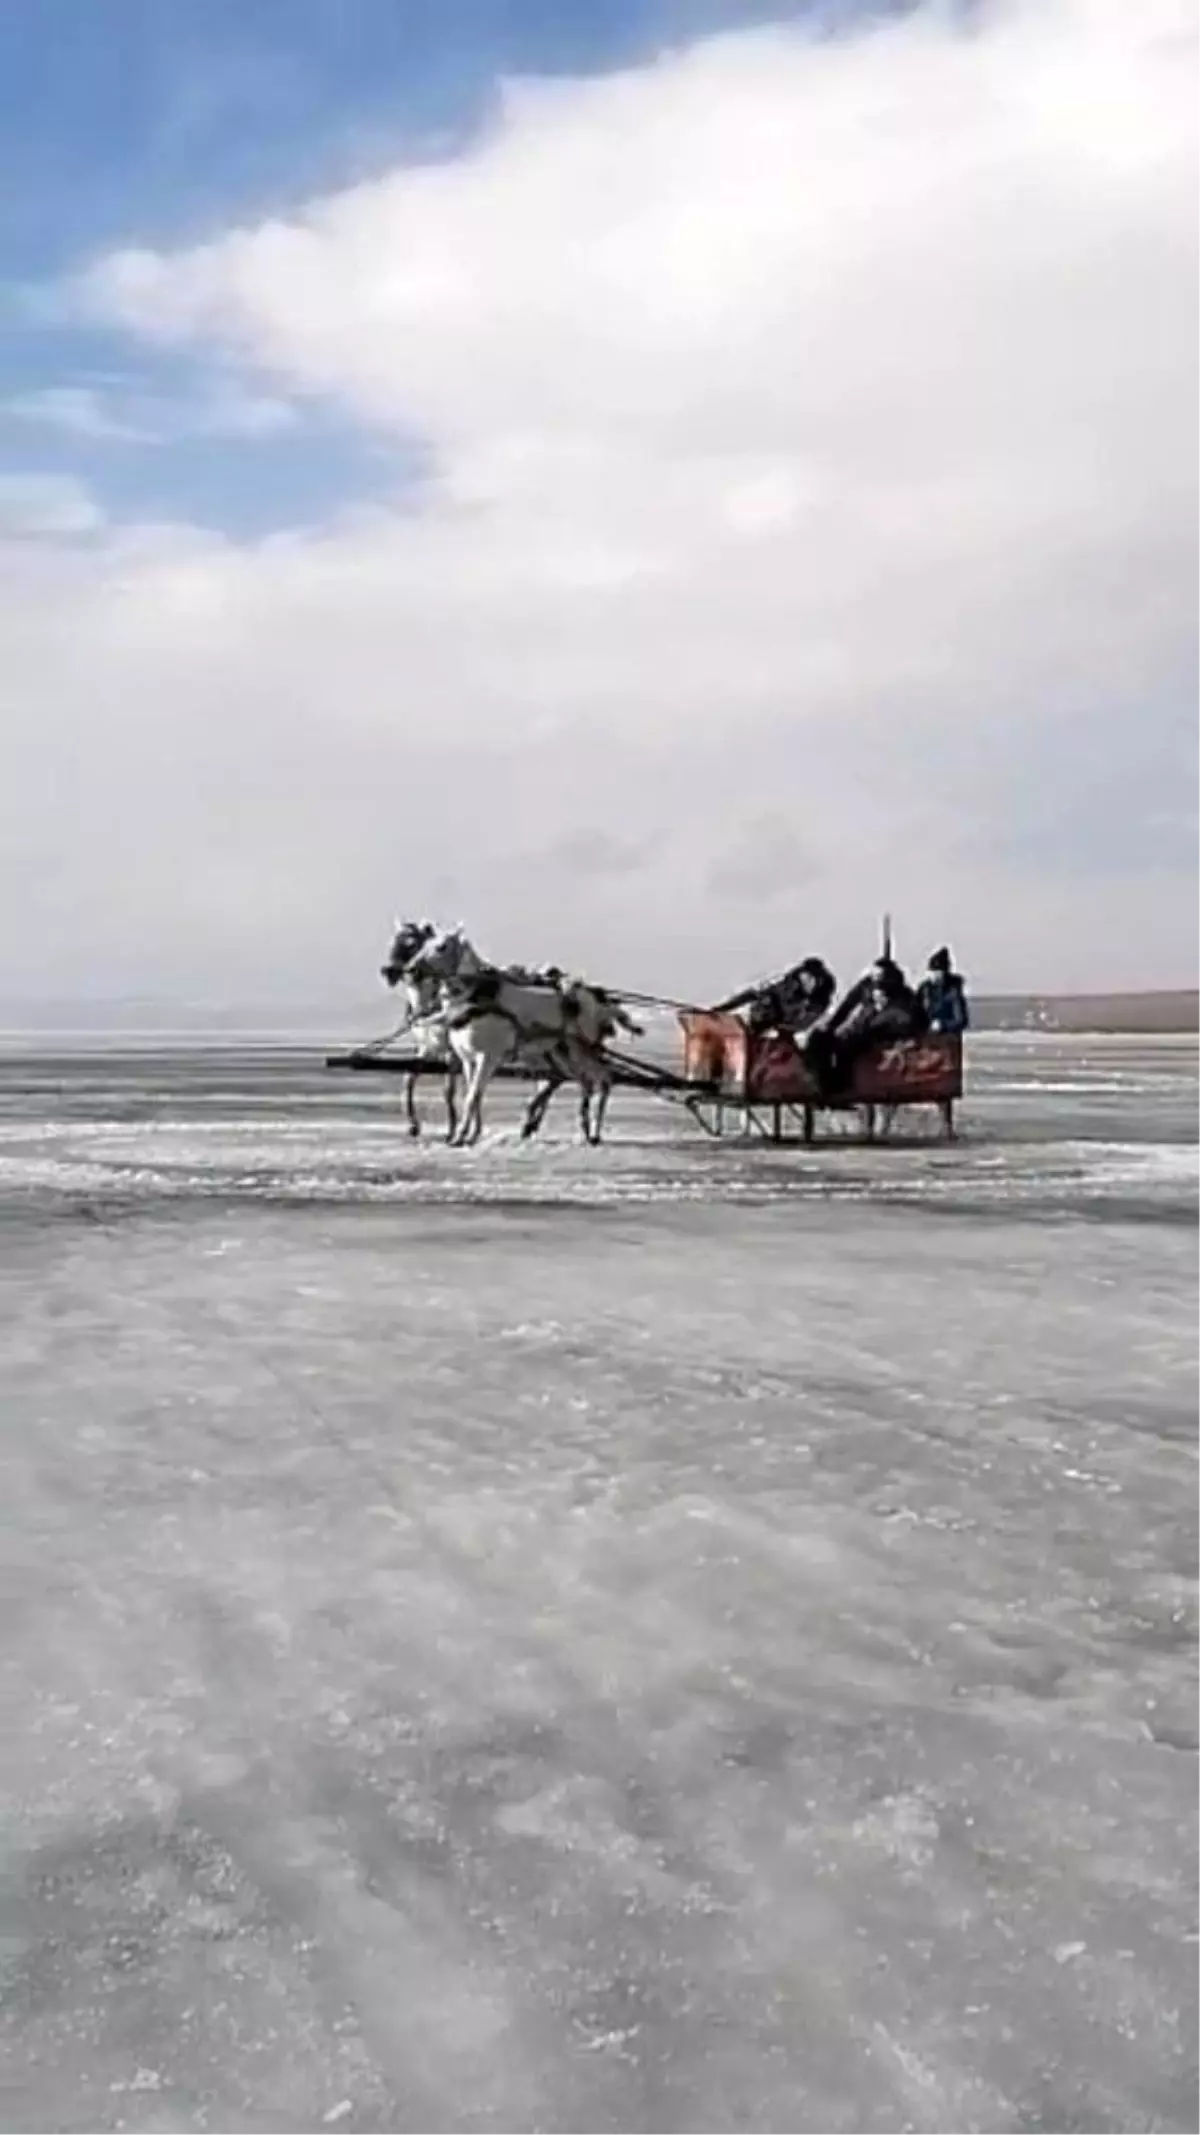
1164, 1013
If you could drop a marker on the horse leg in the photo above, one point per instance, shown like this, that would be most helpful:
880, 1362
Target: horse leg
462, 1061
471, 1067
466, 1132
539, 1105
494, 1039
487, 1050
410, 1106
486, 1072
601, 1092
471, 1124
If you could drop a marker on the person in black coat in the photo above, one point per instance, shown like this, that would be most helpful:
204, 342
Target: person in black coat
789, 1004
881, 1004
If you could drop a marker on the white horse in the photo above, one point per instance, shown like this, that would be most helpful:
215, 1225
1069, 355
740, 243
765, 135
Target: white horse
424, 1025
601, 1016
541, 1021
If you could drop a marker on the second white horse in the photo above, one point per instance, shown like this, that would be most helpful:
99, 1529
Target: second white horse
493, 1018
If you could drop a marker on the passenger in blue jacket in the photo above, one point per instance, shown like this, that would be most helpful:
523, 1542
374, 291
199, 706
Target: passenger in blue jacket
943, 996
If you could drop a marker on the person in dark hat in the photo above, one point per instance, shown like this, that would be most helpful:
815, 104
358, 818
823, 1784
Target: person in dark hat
943, 996
881, 1004
790, 1004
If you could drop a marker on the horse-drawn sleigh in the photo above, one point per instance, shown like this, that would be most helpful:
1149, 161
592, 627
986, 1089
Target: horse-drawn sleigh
755, 1084
467, 1022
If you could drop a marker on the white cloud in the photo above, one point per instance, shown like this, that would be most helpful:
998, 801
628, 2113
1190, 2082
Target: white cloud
233, 412
764, 858
46, 507
123, 413
75, 411
813, 434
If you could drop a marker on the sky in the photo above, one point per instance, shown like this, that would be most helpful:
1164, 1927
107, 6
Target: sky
659, 482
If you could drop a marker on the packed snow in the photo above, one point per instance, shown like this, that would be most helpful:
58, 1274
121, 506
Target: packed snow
678, 1635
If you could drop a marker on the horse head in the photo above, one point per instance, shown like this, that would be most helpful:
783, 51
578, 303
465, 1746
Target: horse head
446, 956
409, 938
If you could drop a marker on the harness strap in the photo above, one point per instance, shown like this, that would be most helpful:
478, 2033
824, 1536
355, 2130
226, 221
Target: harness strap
522, 1033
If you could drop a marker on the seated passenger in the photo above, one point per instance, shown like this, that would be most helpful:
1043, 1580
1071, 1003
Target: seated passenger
880, 1005
943, 996
789, 1004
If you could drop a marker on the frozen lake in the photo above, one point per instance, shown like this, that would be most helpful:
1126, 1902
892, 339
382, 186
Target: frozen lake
674, 1636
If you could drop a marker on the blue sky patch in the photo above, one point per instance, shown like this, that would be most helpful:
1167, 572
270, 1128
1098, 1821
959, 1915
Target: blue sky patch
160, 121
153, 121
177, 443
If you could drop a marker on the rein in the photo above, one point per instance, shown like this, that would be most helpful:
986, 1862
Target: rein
377, 1045
660, 1000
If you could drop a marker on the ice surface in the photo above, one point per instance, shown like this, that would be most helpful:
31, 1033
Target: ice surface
672, 1636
